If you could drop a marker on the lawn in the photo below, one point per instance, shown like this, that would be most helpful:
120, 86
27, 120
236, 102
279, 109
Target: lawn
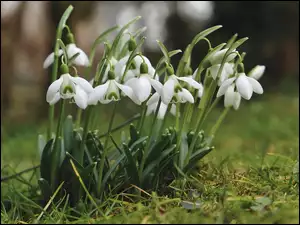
248, 178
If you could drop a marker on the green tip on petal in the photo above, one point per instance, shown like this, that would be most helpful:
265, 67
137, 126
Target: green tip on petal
143, 68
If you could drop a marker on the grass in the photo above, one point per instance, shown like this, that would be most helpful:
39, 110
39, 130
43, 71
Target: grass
248, 178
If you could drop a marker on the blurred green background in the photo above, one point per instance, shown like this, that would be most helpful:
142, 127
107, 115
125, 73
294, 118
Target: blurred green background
266, 122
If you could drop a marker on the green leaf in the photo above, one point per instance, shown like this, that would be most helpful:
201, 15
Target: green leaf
156, 149
118, 37
46, 161
99, 40
204, 33
238, 43
187, 53
164, 50
131, 167
68, 133
77, 138
134, 134
139, 32
195, 157
156, 162
231, 40
45, 189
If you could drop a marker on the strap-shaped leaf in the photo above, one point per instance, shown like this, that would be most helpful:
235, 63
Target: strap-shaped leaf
46, 161
131, 167
118, 37
183, 152
195, 157
164, 50
156, 162
156, 150
45, 189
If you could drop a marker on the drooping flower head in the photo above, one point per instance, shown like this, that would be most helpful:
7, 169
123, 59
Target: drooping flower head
141, 84
68, 87
152, 104
110, 91
239, 86
172, 91
72, 49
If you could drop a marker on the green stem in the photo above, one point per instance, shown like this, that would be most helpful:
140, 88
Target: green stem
105, 150
78, 117
55, 151
219, 122
60, 28
84, 134
142, 119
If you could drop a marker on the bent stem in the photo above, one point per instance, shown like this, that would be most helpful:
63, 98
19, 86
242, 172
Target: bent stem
105, 150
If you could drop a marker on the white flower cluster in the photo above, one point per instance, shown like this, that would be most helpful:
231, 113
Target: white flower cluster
141, 78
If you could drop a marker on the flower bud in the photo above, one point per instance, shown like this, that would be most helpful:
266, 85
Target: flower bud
143, 68
111, 75
64, 69
70, 38
131, 44
257, 72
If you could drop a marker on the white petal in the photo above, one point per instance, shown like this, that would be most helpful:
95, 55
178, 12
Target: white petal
151, 108
98, 93
237, 101
214, 70
200, 91
67, 81
168, 91
257, 72
141, 87
224, 86
120, 66
81, 59
153, 100
53, 90
244, 87
186, 95
256, 86
50, 59
162, 111
128, 92
81, 98
84, 84
173, 110
156, 85
229, 96
190, 81
55, 99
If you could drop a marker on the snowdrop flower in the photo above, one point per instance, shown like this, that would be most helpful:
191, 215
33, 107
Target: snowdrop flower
257, 72
232, 98
110, 91
172, 90
68, 87
245, 86
141, 85
152, 105
135, 67
217, 57
72, 49
226, 71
